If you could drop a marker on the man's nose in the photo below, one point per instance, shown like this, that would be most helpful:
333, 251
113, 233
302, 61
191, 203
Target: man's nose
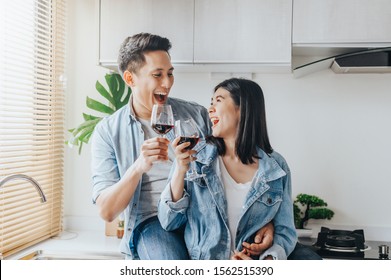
167, 82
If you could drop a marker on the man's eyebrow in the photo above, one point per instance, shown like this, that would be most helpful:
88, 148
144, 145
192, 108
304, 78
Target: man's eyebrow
161, 69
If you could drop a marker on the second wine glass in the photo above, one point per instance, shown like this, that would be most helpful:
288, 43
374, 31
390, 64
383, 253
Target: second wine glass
188, 132
162, 119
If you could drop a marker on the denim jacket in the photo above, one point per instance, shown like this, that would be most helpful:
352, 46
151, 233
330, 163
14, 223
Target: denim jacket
116, 144
203, 209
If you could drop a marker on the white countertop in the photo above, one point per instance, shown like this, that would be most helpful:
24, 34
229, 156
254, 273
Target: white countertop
75, 242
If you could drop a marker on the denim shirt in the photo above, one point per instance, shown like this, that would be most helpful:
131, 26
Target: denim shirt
116, 144
203, 208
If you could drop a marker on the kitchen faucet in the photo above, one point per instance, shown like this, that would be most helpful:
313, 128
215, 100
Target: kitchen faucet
25, 178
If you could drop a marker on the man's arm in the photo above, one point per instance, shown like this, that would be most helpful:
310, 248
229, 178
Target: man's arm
114, 199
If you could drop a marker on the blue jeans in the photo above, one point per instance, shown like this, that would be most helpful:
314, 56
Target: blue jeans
303, 252
152, 242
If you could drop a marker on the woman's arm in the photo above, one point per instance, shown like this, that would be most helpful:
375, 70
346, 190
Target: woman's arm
183, 159
173, 200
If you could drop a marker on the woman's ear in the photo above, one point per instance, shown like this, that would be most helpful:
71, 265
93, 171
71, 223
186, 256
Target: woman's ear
128, 78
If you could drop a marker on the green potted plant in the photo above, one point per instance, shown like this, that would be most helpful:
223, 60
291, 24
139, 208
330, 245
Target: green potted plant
307, 207
117, 94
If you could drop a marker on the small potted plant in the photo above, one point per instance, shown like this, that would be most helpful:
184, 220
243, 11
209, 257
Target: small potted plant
307, 207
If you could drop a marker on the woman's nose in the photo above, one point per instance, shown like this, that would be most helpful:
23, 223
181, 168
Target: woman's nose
211, 109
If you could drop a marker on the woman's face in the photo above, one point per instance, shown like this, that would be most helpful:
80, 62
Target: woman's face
224, 115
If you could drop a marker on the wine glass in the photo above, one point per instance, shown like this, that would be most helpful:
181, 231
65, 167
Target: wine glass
162, 119
188, 132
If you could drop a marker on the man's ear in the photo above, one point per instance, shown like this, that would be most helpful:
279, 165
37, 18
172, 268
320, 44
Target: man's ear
129, 78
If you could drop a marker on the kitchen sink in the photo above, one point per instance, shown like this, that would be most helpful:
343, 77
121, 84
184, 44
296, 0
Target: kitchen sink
70, 255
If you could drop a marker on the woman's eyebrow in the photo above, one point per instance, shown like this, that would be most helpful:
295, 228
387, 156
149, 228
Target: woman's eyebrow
217, 96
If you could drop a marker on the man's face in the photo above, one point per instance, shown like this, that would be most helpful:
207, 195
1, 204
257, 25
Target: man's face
152, 83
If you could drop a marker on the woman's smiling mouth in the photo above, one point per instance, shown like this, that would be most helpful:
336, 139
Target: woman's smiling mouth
214, 121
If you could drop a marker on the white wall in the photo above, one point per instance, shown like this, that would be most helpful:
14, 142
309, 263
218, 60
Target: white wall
334, 131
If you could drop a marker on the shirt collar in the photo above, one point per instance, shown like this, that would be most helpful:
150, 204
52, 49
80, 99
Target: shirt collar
130, 111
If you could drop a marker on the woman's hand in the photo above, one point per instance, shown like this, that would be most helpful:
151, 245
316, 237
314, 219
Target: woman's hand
182, 155
183, 158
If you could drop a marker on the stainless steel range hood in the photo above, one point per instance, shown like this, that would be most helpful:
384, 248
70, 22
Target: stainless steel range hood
376, 60
370, 61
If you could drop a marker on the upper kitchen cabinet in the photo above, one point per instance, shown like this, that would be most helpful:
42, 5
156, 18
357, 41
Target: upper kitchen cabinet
122, 18
251, 34
217, 36
342, 22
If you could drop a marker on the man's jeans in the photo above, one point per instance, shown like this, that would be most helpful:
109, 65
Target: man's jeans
152, 242
302, 252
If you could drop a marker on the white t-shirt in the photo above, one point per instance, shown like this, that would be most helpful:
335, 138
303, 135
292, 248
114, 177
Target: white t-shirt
235, 194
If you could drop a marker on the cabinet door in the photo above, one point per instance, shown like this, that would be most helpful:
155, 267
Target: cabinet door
169, 18
337, 21
242, 31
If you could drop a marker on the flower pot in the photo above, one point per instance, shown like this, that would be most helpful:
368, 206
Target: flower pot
304, 233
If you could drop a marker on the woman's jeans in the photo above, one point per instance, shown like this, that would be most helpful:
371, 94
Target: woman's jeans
152, 242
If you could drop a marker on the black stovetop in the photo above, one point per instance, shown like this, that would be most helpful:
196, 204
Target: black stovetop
371, 252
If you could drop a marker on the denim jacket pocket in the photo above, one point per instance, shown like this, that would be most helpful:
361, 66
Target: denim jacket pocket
271, 197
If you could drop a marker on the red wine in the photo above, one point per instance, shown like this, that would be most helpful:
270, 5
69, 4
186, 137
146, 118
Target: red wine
193, 141
162, 128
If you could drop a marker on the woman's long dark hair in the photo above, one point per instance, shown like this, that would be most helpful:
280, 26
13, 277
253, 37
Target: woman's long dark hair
252, 130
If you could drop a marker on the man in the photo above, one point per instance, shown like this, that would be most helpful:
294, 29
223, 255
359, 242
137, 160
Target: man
131, 163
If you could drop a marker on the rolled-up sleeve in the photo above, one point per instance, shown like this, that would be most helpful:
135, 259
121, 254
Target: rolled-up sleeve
104, 167
171, 214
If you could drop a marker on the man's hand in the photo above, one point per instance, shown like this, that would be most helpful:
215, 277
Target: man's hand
152, 150
262, 240
243, 255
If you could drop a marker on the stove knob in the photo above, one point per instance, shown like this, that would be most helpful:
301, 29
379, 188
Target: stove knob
383, 252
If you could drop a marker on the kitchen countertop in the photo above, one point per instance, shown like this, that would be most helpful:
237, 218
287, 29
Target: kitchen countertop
93, 242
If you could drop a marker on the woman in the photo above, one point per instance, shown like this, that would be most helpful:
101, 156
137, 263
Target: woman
245, 185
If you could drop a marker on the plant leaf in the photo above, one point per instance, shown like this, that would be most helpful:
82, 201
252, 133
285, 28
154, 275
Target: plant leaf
89, 117
101, 89
113, 87
126, 99
84, 125
81, 145
97, 106
117, 94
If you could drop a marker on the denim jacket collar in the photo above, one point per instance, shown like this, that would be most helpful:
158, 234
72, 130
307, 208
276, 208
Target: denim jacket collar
268, 169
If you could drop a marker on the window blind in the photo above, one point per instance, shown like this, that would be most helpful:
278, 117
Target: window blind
32, 50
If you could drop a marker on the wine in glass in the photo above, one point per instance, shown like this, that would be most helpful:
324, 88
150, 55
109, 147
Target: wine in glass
188, 132
162, 119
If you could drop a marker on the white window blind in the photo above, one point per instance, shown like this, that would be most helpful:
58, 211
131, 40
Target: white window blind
32, 49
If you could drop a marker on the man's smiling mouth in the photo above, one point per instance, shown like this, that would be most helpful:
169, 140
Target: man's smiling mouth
160, 97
